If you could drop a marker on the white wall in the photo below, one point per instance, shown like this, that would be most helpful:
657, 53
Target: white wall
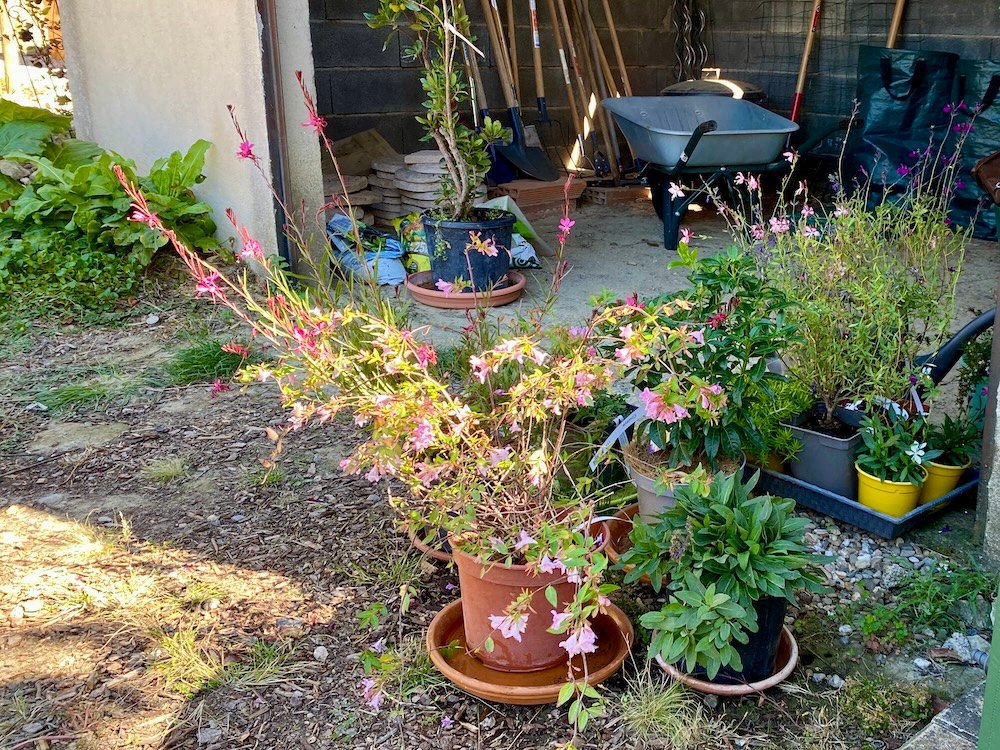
151, 77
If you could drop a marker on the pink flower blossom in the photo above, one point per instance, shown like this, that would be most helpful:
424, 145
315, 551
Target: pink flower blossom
246, 151
373, 475
902, 170
633, 301
675, 190
447, 722
422, 436
717, 320
581, 641
444, 286
565, 224
660, 411
378, 647
752, 182
524, 540
757, 232
315, 122
808, 210
603, 601
801, 189
740, 178
577, 332
811, 232
480, 368
778, 225
373, 694
558, 618
686, 235
697, 337
251, 249
209, 284
548, 565
789, 156
499, 454
146, 217
841, 212
218, 387
510, 626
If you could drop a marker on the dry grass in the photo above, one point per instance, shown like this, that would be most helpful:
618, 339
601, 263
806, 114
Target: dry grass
166, 470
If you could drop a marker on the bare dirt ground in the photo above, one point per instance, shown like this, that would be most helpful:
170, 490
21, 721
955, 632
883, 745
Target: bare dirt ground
161, 588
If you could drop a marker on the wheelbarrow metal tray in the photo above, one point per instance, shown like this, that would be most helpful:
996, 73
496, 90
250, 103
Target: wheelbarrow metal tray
842, 509
658, 128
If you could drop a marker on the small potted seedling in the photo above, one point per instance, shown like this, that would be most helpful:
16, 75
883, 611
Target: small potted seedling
891, 463
958, 440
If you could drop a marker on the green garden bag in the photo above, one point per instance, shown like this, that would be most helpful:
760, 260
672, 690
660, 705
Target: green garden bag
977, 92
902, 97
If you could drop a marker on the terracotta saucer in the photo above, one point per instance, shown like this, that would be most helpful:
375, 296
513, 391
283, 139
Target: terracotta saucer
421, 288
614, 639
787, 658
620, 528
439, 548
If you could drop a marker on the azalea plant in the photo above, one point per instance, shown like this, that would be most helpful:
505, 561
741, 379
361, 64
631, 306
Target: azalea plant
733, 322
870, 279
481, 458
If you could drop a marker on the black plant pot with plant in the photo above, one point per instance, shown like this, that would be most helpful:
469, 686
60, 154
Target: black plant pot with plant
732, 562
476, 253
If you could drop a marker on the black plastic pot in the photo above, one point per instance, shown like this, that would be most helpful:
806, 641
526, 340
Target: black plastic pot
824, 460
759, 653
453, 255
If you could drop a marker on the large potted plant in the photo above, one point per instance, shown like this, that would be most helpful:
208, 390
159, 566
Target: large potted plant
871, 285
469, 247
891, 463
733, 562
731, 323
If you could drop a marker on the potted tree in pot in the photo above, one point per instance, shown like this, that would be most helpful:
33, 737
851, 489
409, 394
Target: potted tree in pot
891, 463
732, 323
958, 441
733, 562
469, 247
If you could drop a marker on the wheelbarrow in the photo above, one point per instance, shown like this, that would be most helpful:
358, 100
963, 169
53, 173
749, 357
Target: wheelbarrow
706, 136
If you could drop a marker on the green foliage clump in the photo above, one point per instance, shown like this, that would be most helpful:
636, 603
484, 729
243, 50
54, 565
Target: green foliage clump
891, 449
880, 707
204, 362
66, 237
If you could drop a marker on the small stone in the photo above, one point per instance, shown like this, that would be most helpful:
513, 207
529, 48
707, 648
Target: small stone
711, 701
321, 654
960, 645
36, 406
208, 735
863, 562
105, 520
32, 605
845, 629
922, 664
818, 677
211, 604
836, 681
33, 728
16, 612
213, 519
238, 518
152, 320
289, 626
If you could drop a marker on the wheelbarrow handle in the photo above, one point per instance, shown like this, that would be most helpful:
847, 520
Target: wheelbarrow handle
948, 355
706, 127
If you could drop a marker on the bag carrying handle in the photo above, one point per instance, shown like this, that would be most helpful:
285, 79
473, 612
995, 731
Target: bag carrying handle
989, 96
919, 69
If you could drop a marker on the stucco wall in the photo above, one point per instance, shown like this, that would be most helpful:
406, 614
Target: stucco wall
167, 81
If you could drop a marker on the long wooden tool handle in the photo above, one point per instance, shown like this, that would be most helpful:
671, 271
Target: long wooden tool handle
536, 50
599, 83
477, 83
896, 25
581, 87
800, 84
564, 64
515, 74
505, 83
617, 47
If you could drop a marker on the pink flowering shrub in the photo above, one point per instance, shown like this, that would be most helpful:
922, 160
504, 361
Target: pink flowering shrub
483, 459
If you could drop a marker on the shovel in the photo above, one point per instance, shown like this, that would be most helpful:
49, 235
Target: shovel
530, 160
500, 171
556, 132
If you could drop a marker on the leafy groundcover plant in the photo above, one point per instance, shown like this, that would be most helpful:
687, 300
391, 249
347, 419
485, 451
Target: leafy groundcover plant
481, 459
722, 550
957, 439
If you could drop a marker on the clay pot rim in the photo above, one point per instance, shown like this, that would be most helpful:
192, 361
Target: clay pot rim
738, 690
422, 546
463, 300
457, 551
963, 467
520, 694
888, 482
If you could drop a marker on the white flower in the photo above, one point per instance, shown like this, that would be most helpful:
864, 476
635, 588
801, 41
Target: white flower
916, 452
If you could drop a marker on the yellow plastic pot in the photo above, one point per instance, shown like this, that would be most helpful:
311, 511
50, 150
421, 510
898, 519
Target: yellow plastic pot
941, 479
891, 498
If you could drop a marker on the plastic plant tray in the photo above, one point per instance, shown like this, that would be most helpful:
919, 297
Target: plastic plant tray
842, 509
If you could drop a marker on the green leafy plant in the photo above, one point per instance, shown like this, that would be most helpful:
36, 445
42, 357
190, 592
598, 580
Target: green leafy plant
958, 440
871, 280
789, 399
974, 372
891, 449
718, 541
442, 36
68, 240
207, 361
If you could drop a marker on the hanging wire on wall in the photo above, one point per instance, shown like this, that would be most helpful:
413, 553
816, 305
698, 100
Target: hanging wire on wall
690, 23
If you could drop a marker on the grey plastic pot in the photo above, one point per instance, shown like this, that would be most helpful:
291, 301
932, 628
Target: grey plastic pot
653, 500
826, 461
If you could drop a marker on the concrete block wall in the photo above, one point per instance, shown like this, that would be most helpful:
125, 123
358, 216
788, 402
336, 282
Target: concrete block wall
360, 85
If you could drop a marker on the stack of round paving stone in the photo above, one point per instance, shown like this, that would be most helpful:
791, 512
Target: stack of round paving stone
354, 190
419, 182
384, 180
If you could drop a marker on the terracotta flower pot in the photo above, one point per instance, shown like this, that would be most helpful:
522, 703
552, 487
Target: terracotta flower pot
437, 547
787, 658
489, 589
